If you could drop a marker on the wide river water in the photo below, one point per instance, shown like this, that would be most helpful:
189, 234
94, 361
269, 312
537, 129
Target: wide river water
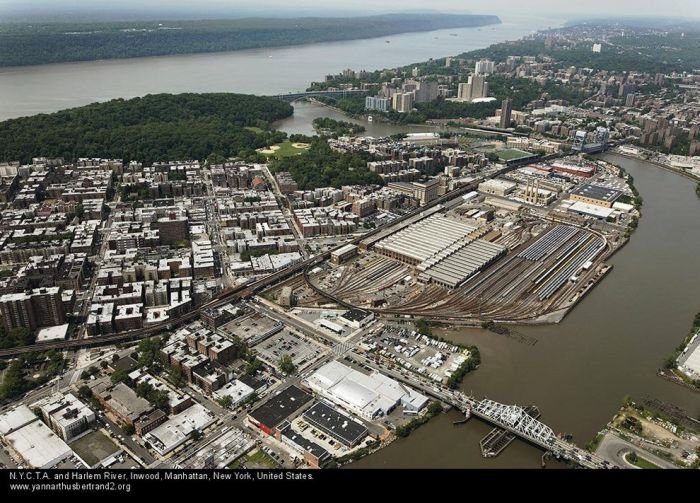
47, 88
578, 373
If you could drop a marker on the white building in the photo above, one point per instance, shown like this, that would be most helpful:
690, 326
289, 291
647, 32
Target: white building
237, 390
484, 67
37, 446
367, 395
67, 416
177, 429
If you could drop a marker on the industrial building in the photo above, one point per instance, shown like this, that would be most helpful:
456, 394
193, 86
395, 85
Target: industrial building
31, 440
497, 187
418, 242
273, 413
591, 210
367, 395
341, 427
445, 251
595, 195
343, 254
314, 455
357, 318
458, 266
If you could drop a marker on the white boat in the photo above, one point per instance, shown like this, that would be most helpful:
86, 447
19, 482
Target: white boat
370, 118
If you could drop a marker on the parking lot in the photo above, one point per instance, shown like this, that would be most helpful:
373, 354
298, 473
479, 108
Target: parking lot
249, 327
301, 350
416, 352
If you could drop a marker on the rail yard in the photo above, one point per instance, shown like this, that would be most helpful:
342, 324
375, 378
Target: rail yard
479, 257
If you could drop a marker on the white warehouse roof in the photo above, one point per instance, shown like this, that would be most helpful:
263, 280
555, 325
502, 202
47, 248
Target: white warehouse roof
38, 445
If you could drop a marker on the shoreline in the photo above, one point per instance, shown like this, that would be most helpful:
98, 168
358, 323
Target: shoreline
665, 167
10, 69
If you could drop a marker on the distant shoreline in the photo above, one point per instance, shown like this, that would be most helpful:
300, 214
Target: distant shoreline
55, 43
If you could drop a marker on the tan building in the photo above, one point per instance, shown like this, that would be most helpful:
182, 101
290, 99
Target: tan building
595, 195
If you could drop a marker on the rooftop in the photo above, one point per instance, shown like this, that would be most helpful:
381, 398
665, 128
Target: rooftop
38, 445
15, 418
281, 406
356, 314
342, 427
597, 192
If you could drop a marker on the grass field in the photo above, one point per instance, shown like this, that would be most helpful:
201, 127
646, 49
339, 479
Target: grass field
285, 149
94, 447
511, 153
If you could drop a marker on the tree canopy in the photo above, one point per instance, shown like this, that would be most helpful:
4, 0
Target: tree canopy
320, 166
154, 127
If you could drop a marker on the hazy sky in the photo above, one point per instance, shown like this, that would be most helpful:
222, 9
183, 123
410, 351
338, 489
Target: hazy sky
502, 7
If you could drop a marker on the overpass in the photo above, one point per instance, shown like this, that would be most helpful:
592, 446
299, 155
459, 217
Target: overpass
291, 97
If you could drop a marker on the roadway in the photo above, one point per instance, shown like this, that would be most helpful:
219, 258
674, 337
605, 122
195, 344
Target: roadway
615, 449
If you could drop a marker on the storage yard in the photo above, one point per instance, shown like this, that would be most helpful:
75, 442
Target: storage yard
417, 353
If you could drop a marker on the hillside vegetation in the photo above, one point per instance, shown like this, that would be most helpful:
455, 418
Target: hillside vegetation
154, 127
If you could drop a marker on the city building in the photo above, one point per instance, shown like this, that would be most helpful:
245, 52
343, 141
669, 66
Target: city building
277, 409
120, 400
343, 254
40, 307
343, 428
357, 318
66, 415
506, 111
484, 67
37, 446
378, 103
497, 187
403, 102
367, 395
313, 454
176, 430
595, 195
475, 87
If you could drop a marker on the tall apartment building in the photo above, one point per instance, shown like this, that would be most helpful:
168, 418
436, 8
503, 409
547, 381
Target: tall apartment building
377, 103
506, 112
484, 67
428, 90
32, 309
403, 102
475, 87
172, 229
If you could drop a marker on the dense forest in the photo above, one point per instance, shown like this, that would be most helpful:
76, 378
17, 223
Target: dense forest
322, 167
25, 44
155, 127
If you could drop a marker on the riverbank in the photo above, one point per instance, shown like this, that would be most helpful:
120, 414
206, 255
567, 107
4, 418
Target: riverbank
666, 167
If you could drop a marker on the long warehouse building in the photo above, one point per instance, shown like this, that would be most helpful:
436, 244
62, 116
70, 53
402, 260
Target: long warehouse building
445, 251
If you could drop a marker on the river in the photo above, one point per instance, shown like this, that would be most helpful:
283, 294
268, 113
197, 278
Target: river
608, 347
48, 88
